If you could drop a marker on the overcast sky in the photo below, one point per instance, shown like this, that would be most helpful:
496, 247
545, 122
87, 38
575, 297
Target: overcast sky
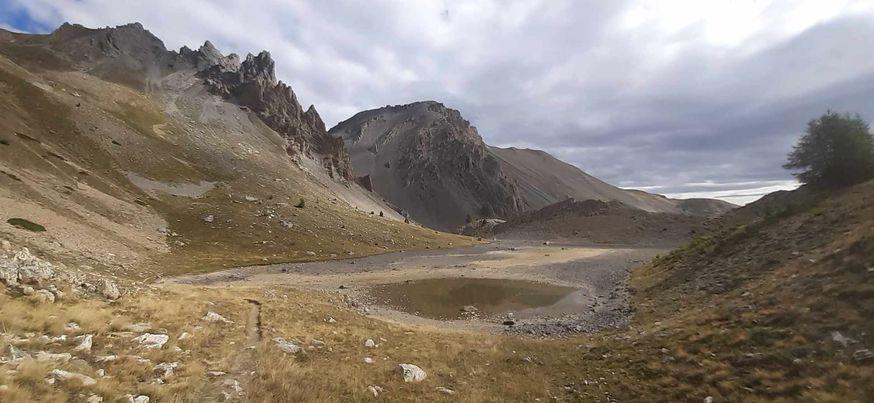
685, 98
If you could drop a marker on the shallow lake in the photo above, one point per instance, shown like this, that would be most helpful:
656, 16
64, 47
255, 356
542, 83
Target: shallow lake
446, 298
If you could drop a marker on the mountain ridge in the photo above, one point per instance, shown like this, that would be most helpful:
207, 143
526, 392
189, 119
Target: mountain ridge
378, 141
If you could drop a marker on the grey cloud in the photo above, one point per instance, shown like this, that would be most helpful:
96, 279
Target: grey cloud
638, 106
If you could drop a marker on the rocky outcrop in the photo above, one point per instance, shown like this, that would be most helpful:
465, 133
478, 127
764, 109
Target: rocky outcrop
253, 84
22, 271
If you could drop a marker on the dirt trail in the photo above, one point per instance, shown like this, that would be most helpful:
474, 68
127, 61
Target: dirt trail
233, 386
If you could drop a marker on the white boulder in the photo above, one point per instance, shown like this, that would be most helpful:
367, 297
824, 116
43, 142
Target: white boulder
214, 317
412, 373
149, 340
287, 346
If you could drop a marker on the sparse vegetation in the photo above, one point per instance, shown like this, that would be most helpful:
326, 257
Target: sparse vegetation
25, 224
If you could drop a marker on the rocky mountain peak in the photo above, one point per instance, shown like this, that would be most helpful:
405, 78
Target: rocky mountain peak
253, 84
259, 68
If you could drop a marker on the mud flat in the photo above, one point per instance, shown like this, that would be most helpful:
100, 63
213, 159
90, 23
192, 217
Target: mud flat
542, 289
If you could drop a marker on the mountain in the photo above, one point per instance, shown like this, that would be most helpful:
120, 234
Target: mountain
122, 153
429, 161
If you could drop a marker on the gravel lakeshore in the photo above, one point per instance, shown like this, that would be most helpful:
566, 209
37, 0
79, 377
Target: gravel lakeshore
599, 273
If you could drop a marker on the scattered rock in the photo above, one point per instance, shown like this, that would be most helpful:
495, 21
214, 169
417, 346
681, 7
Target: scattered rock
84, 343
469, 309
369, 343
17, 354
310, 253
44, 297
412, 373
374, 390
43, 356
841, 339
138, 399
105, 358
27, 290
708, 399
94, 399
64, 376
166, 369
109, 289
149, 340
863, 355
445, 391
71, 327
208, 218
214, 317
368, 360
24, 268
330, 320
287, 346
139, 327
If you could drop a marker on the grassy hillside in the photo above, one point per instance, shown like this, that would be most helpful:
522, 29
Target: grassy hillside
774, 307
170, 181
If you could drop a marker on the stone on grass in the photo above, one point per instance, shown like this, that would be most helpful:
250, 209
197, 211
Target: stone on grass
137, 399
368, 360
65, 376
85, 343
17, 354
374, 390
105, 358
109, 289
166, 369
445, 391
214, 317
149, 340
412, 373
44, 296
43, 356
139, 327
287, 346
369, 343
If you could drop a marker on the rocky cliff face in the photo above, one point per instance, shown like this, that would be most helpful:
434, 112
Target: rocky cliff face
430, 162
253, 84
131, 55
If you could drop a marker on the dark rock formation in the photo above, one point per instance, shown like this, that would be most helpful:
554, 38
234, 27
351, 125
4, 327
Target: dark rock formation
427, 160
253, 84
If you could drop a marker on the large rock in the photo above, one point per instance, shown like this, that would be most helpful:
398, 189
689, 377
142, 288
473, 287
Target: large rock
214, 317
287, 346
149, 340
24, 268
109, 289
412, 373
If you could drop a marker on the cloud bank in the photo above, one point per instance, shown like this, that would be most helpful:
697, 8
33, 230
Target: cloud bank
686, 98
